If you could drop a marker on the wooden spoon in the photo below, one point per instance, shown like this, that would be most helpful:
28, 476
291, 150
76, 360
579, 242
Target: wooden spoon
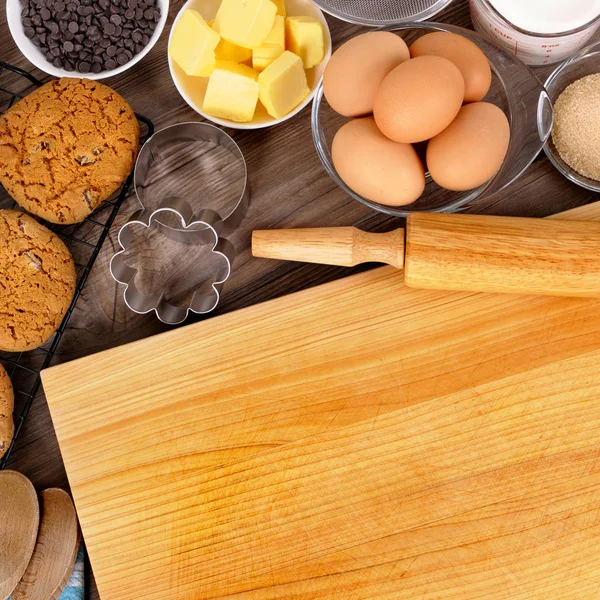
55, 552
19, 520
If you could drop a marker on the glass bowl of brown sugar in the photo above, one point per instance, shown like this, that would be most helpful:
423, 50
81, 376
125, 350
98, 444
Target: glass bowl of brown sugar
574, 146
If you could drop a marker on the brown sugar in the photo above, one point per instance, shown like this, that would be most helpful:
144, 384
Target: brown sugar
576, 130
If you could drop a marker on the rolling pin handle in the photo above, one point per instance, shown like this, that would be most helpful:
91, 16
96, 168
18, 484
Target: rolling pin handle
341, 246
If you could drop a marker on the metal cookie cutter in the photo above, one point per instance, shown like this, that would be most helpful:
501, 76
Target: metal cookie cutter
142, 303
159, 144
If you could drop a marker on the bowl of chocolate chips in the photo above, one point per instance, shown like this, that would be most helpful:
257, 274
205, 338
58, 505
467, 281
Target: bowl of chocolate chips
86, 38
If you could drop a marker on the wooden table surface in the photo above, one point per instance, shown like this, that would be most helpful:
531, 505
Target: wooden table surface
289, 189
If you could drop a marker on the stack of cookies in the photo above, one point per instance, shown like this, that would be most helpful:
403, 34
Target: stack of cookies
64, 149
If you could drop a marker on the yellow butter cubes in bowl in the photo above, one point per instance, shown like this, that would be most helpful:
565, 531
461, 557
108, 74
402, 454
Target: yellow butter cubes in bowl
248, 64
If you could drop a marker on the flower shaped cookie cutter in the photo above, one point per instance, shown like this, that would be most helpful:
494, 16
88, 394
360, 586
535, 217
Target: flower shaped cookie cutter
210, 224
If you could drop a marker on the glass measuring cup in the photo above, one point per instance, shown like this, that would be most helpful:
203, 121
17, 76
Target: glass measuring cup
515, 89
534, 49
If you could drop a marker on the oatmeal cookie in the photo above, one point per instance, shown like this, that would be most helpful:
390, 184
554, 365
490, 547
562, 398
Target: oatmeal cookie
7, 427
66, 147
37, 282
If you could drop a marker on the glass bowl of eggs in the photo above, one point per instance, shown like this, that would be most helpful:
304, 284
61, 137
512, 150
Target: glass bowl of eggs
427, 117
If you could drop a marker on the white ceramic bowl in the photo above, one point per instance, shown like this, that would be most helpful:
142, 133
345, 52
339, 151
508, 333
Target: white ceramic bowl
193, 89
33, 54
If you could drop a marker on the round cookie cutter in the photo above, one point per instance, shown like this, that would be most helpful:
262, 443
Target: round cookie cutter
152, 153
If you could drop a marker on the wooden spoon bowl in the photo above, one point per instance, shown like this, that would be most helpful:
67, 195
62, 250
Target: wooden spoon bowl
19, 521
55, 551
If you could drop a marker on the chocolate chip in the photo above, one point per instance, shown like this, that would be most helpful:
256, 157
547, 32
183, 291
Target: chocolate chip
145, 40
68, 66
109, 29
84, 67
36, 20
56, 51
139, 13
136, 36
27, 22
122, 59
45, 14
88, 197
24, 13
79, 37
58, 63
29, 32
104, 43
110, 64
68, 46
59, 6
129, 13
116, 20
96, 68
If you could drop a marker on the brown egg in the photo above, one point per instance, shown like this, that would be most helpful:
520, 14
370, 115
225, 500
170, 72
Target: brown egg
356, 69
466, 55
418, 99
470, 151
374, 166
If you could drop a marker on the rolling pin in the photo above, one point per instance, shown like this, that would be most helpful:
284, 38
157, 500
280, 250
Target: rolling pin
459, 252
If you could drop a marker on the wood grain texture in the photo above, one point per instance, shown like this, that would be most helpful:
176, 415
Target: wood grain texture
150, 431
343, 246
289, 189
55, 550
19, 520
484, 253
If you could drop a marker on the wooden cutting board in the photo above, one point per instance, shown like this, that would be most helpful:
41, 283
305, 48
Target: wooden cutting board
356, 440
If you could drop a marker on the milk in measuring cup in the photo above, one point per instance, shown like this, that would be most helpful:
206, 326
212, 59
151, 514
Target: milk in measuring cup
539, 32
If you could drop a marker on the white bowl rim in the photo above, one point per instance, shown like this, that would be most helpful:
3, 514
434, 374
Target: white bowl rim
248, 126
36, 58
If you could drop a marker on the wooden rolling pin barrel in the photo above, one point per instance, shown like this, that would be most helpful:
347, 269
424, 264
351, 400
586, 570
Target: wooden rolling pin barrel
459, 252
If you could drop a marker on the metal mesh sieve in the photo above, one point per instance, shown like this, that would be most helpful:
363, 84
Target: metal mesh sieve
378, 13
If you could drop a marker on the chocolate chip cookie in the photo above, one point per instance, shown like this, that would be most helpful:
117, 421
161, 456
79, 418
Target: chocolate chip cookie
37, 282
66, 147
7, 427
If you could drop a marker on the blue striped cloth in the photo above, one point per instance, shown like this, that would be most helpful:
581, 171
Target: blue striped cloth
75, 589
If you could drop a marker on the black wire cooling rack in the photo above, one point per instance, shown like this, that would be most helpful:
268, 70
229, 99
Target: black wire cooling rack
84, 240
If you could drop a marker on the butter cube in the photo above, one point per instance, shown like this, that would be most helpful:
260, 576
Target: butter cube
273, 46
193, 43
208, 70
227, 51
283, 85
305, 37
232, 92
280, 4
245, 23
